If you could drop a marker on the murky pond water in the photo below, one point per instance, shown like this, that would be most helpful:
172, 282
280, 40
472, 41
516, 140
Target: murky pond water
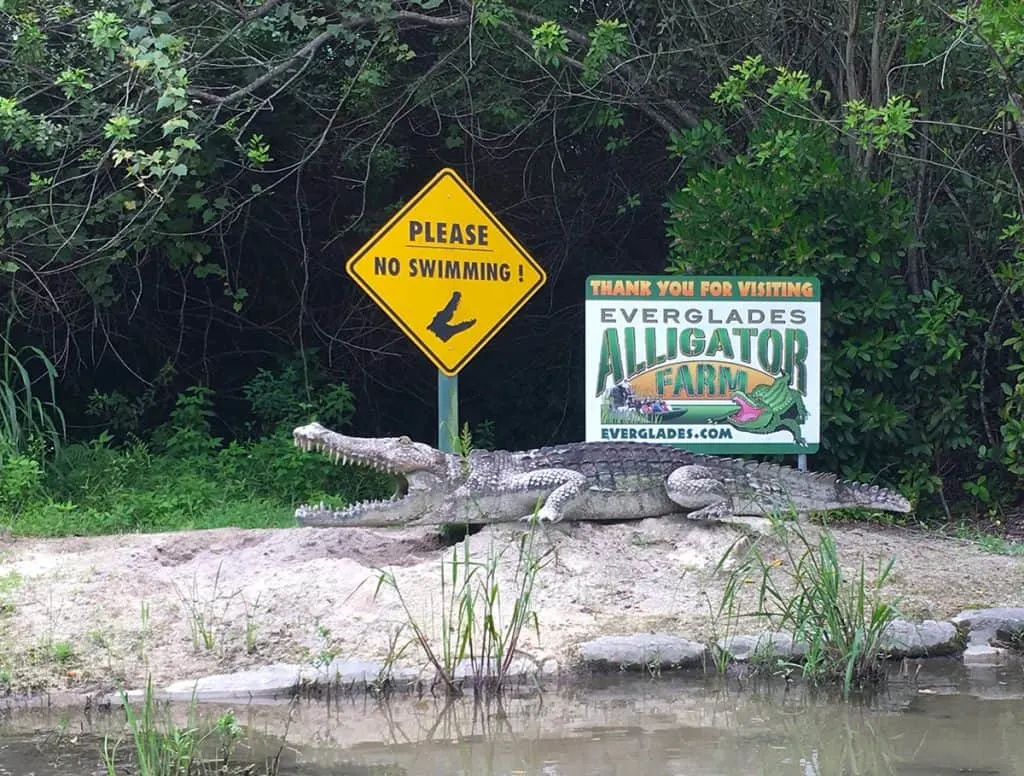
947, 721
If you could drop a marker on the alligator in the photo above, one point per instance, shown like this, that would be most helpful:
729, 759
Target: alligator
580, 481
768, 408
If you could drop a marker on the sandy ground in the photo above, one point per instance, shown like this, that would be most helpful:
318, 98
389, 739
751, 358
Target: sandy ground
91, 614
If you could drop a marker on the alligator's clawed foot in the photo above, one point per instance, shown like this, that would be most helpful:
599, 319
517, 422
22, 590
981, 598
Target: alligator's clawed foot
542, 515
715, 511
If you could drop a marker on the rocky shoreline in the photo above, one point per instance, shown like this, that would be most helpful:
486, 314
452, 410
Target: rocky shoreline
977, 637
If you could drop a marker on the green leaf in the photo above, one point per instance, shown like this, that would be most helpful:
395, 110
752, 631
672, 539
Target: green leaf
172, 125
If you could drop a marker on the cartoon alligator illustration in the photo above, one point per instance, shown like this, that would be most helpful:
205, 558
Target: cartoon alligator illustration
769, 408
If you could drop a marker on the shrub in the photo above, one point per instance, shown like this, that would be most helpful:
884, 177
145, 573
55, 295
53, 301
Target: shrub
895, 388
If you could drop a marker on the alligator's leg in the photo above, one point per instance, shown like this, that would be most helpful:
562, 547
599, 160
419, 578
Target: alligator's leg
697, 488
553, 489
794, 428
565, 485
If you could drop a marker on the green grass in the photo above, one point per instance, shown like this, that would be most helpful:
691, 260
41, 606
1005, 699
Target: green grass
997, 545
98, 488
802, 589
63, 652
153, 745
27, 419
984, 539
9, 584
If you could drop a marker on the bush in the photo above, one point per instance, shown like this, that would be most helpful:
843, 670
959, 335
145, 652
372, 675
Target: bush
21, 478
186, 478
896, 390
295, 395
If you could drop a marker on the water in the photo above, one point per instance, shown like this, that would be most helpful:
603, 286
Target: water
948, 721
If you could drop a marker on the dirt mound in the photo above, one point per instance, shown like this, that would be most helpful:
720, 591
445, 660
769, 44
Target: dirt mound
95, 613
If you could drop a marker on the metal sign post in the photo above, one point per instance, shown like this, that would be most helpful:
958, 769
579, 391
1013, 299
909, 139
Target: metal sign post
447, 412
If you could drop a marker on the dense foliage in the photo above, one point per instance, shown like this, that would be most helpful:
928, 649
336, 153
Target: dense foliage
182, 475
180, 184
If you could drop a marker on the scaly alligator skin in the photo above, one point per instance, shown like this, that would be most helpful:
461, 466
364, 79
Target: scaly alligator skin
578, 481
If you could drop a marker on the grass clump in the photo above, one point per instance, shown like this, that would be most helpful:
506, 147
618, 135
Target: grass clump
153, 745
802, 590
209, 616
9, 584
476, 623
204, 611
62, 652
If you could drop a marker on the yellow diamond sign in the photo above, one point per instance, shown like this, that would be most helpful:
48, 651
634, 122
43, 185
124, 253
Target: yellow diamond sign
447, 272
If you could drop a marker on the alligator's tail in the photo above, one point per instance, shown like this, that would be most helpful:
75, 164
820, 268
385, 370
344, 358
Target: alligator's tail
874, 497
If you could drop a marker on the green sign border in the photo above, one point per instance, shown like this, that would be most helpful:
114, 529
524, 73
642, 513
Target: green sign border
721, 448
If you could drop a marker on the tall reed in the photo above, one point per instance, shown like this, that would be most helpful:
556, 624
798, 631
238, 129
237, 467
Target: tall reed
802, 589
27, 413
475, 620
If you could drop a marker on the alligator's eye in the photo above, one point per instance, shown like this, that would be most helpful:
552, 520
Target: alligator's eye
404, 440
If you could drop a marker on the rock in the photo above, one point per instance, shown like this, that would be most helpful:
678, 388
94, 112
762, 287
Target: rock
355, 673
641, 652
983, 655
277, 680
902, 638
1002, 624
743, 648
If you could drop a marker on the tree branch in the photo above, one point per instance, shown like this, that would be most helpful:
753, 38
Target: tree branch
311, 47
629, 84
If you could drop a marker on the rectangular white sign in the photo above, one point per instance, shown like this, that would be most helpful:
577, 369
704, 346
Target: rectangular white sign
712, 364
